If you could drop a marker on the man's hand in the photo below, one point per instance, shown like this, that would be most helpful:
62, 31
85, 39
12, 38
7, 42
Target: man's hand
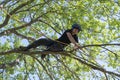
1, 6
77, 47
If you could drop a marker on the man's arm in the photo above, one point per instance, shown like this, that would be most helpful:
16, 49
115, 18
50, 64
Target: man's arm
72, 40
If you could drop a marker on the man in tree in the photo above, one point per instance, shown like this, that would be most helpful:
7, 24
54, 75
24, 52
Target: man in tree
69, 36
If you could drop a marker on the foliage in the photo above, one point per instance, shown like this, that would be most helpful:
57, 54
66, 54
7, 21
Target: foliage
23, 21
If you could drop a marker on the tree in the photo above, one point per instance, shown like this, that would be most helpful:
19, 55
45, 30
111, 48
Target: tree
22, 22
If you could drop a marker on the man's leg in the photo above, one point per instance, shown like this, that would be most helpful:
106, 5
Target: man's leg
55, 47
39, 42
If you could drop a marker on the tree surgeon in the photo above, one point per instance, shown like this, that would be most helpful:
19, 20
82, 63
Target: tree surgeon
69, 36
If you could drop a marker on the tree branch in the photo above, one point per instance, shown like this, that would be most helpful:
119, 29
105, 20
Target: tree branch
29, 38
12, 12
99, 45
48, 73
71, 71
18, 50
95, 68
65, 53
17, 28
8, 31
10, 64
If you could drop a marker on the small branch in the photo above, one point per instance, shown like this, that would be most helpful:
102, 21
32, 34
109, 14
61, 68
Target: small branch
95, 67
12, 12
111, 52
29, 38
8, 31
43, 67
99, 45
71, 71
10, 64
50, 26
106, 76
4, 2
17, 28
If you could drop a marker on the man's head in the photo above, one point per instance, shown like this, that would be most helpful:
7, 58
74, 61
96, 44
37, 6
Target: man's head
76, 28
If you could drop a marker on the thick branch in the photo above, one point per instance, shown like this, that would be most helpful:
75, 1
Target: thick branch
65, 53
18, 50
31, 52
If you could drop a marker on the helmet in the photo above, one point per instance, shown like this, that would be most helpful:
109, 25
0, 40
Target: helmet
76, 26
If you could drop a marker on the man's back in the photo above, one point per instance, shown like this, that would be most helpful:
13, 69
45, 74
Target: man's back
64, 38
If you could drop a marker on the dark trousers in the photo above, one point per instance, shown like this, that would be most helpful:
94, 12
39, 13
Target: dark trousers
50, 44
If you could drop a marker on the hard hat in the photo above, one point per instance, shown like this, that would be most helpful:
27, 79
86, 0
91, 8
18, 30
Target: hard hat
76, 26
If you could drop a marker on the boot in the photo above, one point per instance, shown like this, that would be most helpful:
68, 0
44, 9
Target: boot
22, 48
43, 56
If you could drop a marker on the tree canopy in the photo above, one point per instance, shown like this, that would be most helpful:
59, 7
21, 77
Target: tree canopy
23, 21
